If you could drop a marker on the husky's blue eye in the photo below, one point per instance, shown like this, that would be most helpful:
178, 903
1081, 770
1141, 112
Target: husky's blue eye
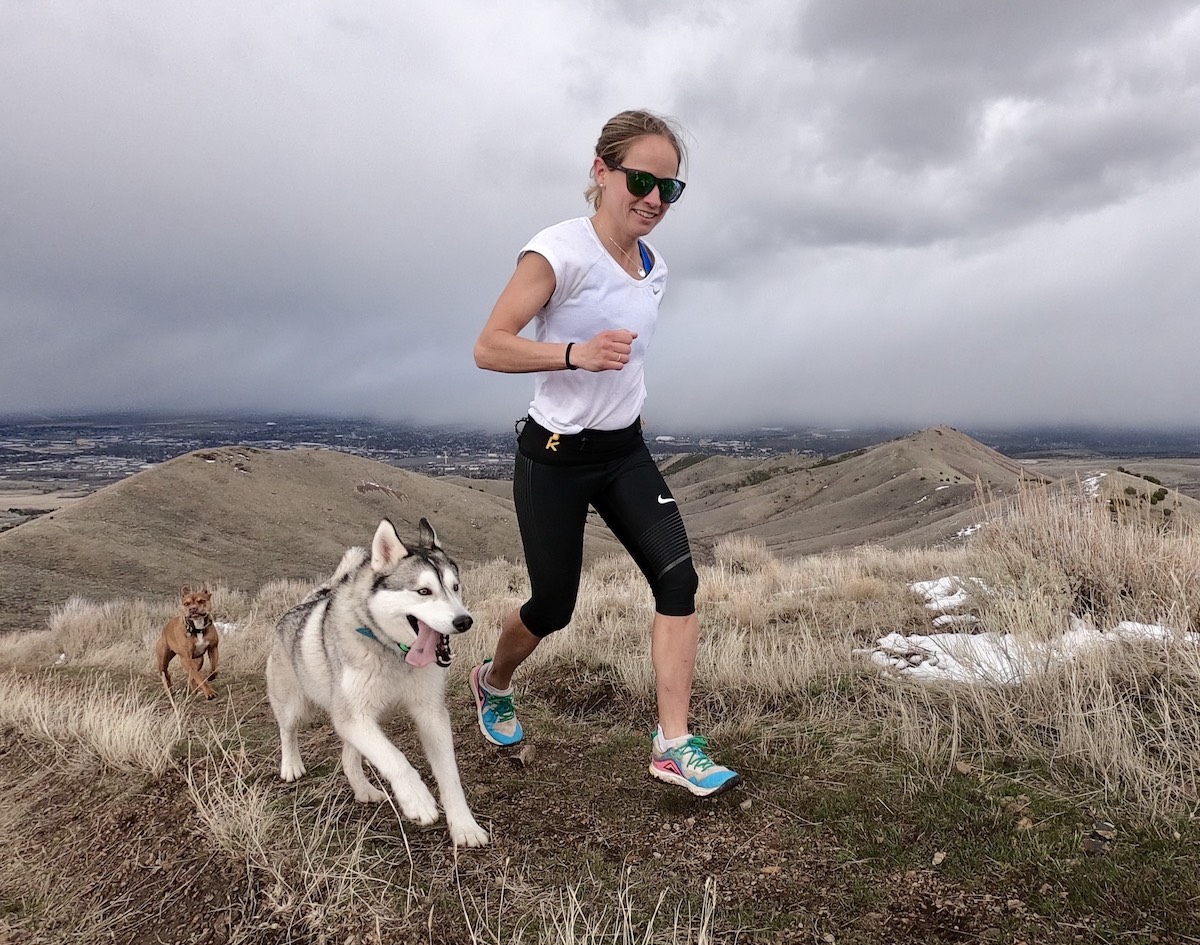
424, 591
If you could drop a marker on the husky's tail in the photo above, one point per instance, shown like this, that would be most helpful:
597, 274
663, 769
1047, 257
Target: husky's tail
352, 560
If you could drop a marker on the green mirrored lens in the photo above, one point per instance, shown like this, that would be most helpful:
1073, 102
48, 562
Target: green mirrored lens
670, 189
640, 183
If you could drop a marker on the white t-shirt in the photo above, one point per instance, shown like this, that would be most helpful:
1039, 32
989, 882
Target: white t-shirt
592, 292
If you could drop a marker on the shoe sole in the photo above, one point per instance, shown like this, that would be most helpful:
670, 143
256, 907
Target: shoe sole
473, 680
679, 781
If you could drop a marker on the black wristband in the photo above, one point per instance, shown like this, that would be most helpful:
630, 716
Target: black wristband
567, 357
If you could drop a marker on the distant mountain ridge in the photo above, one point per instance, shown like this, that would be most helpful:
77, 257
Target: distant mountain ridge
915, 490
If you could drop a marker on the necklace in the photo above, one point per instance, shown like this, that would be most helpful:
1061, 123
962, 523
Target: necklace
641, 270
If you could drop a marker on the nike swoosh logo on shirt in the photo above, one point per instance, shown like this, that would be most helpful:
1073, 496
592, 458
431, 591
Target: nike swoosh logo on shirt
662, 501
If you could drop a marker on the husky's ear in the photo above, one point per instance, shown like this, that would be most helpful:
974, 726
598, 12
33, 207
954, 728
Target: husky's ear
386, 549
428, 537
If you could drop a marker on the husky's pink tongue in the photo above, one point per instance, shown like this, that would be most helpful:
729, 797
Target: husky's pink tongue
424, 650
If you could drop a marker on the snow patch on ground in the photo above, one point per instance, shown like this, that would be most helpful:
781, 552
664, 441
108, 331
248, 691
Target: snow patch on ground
991, 657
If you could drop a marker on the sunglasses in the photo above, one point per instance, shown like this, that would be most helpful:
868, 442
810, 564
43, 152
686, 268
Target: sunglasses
641, 183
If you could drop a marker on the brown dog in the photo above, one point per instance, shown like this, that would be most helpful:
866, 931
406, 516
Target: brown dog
190, 636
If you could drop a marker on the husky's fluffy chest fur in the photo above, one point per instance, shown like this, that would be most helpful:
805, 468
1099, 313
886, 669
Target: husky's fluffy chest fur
375, 637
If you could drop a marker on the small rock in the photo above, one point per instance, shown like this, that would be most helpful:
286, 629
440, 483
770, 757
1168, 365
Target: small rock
1093, 847
939, 858
746, 804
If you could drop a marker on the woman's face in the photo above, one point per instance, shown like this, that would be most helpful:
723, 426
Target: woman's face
636, 216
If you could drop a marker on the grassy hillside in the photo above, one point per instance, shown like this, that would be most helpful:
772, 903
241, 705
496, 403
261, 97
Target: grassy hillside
876, 809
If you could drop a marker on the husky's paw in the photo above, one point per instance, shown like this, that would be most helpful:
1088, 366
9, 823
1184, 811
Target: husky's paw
468, 834
292, 770
369, 794
418, 804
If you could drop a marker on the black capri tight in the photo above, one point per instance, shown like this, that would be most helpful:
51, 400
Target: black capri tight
631, 496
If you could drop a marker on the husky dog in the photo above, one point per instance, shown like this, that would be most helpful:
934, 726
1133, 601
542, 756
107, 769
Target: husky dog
375, 637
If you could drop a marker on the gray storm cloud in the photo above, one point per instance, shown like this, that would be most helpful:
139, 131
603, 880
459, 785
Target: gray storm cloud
908, 213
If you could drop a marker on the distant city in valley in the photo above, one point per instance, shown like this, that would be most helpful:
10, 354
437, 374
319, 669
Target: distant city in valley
92, 451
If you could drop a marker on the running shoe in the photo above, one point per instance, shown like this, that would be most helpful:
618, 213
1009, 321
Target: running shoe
497, 717
689, 766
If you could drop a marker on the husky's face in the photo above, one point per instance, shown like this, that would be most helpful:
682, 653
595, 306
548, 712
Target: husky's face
416, 585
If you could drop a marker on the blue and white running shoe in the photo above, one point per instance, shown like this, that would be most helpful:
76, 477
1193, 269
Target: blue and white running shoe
497, 717
689, 766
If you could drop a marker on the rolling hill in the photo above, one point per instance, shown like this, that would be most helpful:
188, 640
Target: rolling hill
239, 516
917, 490
243, 516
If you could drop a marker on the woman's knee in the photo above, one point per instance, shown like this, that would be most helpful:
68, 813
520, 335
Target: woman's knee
675, 590
542, 618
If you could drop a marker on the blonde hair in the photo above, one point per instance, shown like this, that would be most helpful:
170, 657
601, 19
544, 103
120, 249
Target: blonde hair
618, 135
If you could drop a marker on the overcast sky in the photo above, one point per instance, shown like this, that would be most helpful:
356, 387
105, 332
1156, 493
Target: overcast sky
970, 213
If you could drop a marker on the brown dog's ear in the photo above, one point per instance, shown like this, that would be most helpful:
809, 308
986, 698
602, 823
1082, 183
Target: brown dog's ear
204, 589
184, 591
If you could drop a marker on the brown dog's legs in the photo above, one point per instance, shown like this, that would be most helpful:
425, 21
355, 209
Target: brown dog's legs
196, 681
165, 654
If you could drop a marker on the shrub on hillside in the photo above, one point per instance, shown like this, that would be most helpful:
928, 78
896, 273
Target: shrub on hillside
1109, 569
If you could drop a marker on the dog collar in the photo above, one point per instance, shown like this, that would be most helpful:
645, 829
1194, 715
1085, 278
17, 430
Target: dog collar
192, 629
368, 632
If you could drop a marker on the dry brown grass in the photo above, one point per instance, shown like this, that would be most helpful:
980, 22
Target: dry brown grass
781, 643
1099, 568
1116, 720
90, 721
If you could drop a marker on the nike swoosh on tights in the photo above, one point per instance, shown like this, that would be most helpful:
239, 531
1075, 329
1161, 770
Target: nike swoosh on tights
662, 501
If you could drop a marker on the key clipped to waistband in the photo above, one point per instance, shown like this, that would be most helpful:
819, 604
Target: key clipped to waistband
537, 443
